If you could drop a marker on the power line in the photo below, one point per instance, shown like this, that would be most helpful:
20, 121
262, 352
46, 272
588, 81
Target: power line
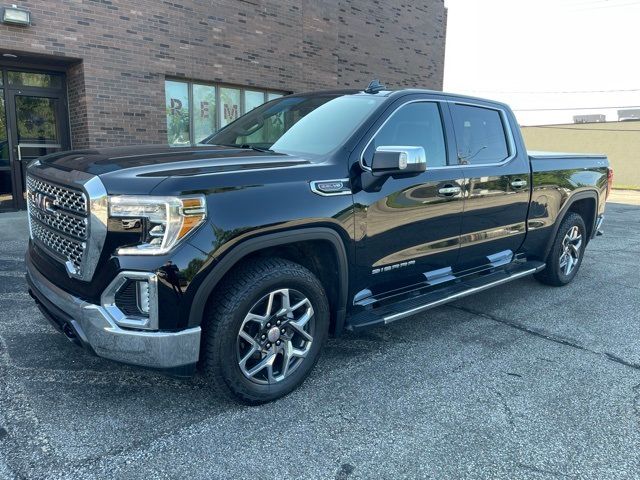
588, 5
584, 129
602, 7
556, 91
570, 108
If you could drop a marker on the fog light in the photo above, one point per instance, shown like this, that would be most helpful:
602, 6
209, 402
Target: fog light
143, 296
131, 300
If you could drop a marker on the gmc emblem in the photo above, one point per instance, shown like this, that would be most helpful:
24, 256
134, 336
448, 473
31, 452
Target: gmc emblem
43, 202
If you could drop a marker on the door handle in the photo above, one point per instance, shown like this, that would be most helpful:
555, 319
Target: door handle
448, 191
519, 183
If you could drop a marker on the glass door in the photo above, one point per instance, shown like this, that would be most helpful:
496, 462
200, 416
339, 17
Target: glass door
6, 177
35, 112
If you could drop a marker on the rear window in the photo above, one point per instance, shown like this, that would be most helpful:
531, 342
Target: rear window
480, 134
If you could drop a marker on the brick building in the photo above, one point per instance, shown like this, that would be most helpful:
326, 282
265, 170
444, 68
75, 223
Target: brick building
89, 73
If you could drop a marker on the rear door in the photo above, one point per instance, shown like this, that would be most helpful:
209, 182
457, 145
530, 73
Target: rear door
410, 226
496, 185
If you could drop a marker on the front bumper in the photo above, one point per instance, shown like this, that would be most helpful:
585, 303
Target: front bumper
598, 229
91, 326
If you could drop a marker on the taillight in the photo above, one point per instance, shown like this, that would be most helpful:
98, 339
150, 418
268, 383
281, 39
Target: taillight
609, 181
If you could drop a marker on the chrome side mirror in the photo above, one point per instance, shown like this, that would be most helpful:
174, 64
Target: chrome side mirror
398, 160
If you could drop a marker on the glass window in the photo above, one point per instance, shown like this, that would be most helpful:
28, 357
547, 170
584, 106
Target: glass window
414, 125
480, 134
195, 111
30, 79
326, 127
252, 99
229, 105
177, 105
4, 141
204, 111
306, 124
273, 96
36, 120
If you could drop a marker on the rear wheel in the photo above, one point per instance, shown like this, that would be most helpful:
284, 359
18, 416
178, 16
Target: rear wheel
265, 330
565, 256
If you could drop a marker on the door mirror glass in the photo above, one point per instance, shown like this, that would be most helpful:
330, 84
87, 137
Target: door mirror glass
398, 160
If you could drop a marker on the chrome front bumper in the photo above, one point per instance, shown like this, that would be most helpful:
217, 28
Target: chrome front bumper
598, 229
96, 330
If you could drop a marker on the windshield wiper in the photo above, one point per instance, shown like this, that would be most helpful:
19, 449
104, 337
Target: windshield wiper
257, 149
246, 146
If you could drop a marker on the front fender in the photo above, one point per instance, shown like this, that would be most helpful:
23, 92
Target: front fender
260, 242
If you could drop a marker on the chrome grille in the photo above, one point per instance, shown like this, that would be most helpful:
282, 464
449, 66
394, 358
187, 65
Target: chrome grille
68, 224
59, 221
66, 198
63, 248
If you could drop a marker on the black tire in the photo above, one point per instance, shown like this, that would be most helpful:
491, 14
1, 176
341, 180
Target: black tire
226, 313
555, 272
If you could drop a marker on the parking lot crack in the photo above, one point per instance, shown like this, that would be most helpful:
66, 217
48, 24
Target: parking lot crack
547, 336
508, 413
621, 361
542, 471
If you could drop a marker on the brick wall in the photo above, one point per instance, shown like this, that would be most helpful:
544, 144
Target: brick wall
126, 48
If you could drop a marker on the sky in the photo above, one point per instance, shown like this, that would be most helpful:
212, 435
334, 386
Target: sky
538, 55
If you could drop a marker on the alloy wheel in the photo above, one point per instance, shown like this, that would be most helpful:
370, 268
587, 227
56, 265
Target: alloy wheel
275, 336
571, 250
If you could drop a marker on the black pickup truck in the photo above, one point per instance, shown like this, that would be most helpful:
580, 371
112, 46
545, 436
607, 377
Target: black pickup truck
311, 214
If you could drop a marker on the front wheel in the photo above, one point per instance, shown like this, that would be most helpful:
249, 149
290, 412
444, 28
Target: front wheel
565, 256
265, 330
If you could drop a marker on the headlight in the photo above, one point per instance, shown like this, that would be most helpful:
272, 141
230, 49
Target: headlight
167, 220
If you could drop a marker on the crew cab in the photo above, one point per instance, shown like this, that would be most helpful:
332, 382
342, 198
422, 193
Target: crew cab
311, 214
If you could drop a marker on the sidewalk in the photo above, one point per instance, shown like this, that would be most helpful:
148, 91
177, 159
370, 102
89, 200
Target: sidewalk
630, 197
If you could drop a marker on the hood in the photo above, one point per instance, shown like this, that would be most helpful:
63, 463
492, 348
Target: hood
139, 169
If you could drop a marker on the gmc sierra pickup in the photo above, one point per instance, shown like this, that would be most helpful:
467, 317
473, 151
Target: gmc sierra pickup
311, 214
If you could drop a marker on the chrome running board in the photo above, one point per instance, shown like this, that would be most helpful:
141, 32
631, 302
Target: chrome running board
456, 296
455, 290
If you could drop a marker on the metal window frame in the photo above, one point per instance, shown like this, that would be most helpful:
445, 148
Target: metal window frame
506, 126
218, 86
444, 133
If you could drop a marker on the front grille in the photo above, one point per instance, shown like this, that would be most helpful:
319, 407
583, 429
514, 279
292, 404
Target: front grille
64, 197
62, 247
59, 221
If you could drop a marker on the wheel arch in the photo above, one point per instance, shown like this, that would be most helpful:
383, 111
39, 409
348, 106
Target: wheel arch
584, 203
264, 243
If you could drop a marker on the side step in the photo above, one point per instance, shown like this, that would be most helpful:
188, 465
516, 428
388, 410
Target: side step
453, 291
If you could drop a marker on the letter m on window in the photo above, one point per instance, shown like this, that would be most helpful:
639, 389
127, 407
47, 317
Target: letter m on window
230, 112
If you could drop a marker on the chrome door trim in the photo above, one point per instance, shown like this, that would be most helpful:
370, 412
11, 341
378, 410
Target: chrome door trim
506, 125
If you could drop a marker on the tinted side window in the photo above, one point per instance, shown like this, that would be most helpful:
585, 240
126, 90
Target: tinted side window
414, 125
480, 134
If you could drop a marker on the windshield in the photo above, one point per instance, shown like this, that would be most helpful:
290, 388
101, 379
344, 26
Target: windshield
304, 125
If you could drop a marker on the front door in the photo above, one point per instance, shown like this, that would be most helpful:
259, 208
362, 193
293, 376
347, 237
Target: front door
411, 225
33, 122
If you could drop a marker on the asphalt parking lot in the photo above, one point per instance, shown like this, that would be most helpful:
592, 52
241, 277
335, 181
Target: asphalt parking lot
524, 381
